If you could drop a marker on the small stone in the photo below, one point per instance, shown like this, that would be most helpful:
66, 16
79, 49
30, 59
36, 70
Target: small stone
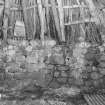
101, 81
63, 68
85, 76
88, 83
56, 74
102, 71
2, 76
50, 67
12, 68
79, 82
89, 68
22, 65
96, 83
70, 103
58, 59
102, 64
76, 74
20, 76
62, 80
48, 78
89, 56
95, 75
31, 59
11, 52
102, 58
10, 47
29, 48
50, 43
54, 84
93, 50
20, 59
64, 74
71, 80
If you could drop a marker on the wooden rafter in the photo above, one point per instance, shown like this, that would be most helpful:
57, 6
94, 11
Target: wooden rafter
83, 17
56, 18
42, 18
61, 17
80, 22
5, 19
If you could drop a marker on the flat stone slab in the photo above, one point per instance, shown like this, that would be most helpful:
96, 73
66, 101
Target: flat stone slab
63, 68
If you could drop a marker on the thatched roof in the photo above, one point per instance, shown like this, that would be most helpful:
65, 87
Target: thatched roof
97, 9
61, 20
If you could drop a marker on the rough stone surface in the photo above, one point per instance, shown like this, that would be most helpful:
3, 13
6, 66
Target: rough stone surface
54, 84
56, 74
31, 72
62, 80
64, 74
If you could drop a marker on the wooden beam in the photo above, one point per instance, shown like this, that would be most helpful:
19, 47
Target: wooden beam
47, 17
48, 5
80, 22
1, 11
25, 17
67, 6
5, 19
35, 13
61, 17
41, 15
56, 18
74, 6
83, 17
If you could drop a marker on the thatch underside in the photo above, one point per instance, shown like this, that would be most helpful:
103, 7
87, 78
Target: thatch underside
59, 20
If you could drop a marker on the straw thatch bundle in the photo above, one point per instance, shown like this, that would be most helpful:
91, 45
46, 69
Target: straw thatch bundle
97, 10
56, 19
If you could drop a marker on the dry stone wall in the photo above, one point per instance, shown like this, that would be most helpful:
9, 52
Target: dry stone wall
52, 66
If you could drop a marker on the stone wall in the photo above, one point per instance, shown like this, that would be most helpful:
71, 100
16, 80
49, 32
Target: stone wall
52, 65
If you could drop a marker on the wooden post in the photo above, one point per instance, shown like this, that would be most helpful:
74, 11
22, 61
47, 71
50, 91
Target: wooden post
5, 19
41, 15
1, 8
61, 16
25, 16
70, 12
56, 18
28, 15
34, 20
83, 17
47, 18
1, 13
